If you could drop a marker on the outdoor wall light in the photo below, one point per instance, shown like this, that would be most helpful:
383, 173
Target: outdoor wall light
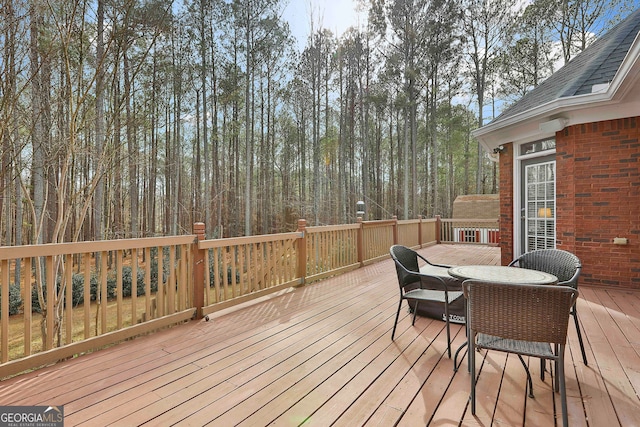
553, 126
499, 149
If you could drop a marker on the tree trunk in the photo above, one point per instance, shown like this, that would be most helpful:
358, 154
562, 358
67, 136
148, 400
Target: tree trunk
99, 144
132, 147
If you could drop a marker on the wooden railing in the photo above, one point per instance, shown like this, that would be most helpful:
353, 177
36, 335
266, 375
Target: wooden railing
330, 250
470, 231
244, 268
136, 286
378, 236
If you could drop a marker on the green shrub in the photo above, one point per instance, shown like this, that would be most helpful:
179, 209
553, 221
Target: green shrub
212, 276
78, 285
154, 273
111, 286
15, 300
127, 282
35, 304
77, 289
77, 292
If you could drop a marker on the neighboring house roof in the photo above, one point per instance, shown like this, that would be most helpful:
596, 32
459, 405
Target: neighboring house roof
477, 206
601, 83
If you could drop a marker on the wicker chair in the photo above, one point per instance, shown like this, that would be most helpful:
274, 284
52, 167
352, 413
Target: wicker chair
519, 319
430, 288
562, 264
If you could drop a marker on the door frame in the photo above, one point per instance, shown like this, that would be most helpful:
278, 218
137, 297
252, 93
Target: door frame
518, 191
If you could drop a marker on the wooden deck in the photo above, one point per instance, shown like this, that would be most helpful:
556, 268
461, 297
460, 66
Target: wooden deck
322, 355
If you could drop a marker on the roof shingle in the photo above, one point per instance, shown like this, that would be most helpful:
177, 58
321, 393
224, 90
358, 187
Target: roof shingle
596, 65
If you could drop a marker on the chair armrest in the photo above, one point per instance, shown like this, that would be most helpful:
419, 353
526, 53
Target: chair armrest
430, 263
424, 277
573, 282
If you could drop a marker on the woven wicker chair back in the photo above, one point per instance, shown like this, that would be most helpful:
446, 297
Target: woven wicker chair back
537, 313
562, 264
408, 259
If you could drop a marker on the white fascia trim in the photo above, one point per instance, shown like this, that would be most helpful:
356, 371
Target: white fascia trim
490, 135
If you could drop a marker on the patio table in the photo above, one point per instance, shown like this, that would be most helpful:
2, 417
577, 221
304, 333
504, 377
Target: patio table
502, 274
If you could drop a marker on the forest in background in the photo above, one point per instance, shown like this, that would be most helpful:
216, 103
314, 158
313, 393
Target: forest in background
136, 118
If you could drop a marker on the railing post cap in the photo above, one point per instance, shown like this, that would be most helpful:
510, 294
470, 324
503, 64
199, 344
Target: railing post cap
199, 228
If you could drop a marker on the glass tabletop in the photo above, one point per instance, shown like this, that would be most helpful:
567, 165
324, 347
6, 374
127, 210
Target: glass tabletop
502, 274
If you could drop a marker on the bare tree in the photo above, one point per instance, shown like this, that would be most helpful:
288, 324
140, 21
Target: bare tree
485, 24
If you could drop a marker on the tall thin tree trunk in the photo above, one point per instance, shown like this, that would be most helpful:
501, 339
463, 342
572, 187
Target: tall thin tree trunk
214, 183
38, 128
153, 164
204, 133
99, 145
248, 126
132, 148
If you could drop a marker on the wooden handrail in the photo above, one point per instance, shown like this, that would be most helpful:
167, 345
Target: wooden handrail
73, 248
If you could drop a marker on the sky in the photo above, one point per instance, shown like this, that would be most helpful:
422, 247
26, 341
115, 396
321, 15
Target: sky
335, 15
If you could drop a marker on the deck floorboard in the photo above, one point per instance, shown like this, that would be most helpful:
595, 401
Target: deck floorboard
322, 355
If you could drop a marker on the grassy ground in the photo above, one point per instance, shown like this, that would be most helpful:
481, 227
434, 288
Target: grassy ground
17, 325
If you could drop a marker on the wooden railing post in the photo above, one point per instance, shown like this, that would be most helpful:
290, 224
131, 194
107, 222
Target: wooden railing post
198, 269
438, 229
360, 243
302, 251
395, 229
420, 230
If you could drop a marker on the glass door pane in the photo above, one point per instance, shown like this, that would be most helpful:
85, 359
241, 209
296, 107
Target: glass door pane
540, 206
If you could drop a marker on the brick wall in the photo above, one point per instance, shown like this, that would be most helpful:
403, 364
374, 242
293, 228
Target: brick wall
598, 198
506, 204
